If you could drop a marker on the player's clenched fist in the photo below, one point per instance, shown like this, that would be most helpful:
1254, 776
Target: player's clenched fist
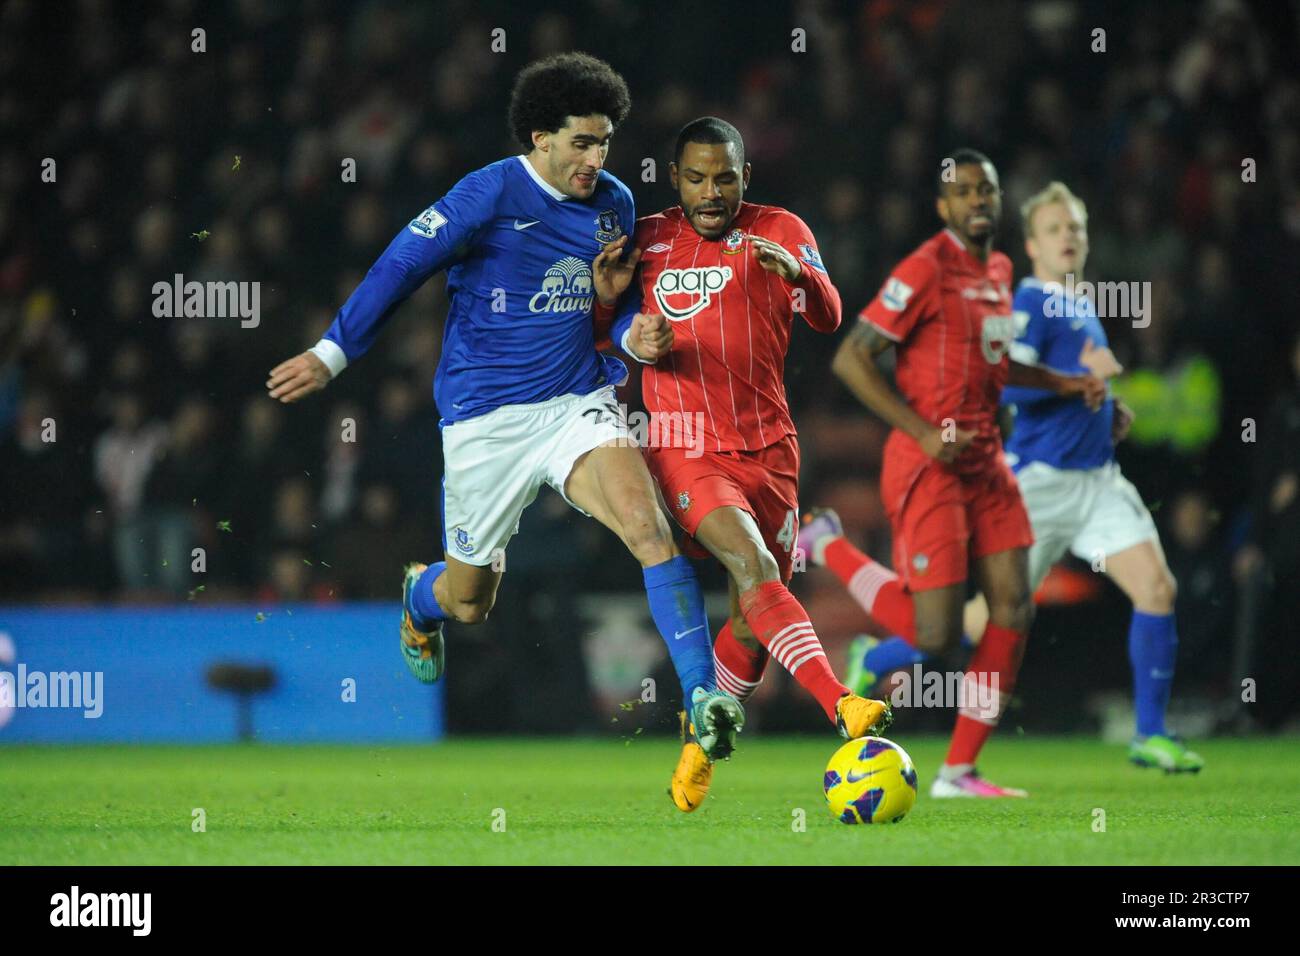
298, 377
651, 337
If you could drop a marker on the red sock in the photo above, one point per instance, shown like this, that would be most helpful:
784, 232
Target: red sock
782, 626
876, 588
740, 667
997, 658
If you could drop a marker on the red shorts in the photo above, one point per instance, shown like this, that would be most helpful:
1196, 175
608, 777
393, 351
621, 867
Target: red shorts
940, 517
764, 483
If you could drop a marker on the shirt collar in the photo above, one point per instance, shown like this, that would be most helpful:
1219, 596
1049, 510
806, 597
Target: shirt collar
542, 184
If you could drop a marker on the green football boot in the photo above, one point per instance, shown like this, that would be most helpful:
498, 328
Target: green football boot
1168, 753
424, 652
856, 676
716, 718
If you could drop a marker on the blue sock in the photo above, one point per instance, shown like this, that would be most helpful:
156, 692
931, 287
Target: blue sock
425, 610
677, 606
1152, 649
891, 654
894, 652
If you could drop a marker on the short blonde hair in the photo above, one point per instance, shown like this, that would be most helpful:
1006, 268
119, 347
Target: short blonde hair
1055, 192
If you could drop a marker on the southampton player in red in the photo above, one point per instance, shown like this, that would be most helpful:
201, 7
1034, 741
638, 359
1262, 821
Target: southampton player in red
953, 504
730, 277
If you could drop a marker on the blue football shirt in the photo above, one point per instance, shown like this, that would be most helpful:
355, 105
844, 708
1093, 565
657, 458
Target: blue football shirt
1052, 326
518, 257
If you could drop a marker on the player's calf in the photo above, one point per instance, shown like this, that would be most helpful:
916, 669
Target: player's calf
465, 593
1016, 614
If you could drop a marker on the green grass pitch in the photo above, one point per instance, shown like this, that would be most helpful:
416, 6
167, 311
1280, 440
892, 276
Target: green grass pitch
589, 801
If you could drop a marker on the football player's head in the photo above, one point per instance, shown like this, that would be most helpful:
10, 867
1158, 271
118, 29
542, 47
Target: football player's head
564, 110
1056, 231
968, 195
710, 174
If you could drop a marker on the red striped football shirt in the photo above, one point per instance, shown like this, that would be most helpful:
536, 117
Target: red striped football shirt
731, 322
950, 315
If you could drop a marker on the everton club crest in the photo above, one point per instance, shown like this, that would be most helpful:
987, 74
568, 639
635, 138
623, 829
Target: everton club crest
607, 227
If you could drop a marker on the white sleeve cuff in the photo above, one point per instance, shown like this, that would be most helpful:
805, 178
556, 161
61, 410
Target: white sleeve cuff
1023, 353
627, 351
328, 351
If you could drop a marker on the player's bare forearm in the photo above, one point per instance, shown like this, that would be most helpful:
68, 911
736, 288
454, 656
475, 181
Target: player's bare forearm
1089, 388
1035, 376
855, 366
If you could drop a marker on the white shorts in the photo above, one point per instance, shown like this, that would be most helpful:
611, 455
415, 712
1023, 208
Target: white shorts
1091, 513
495, 464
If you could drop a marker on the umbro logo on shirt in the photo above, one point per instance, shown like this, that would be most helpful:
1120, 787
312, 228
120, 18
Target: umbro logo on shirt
659, 247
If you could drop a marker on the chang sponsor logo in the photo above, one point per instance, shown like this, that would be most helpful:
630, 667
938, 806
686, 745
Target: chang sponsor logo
566, 287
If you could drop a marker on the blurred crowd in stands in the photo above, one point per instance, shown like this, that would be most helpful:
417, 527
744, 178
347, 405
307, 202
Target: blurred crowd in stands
127, 440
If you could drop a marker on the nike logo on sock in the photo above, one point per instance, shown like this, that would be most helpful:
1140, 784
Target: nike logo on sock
522, 226
678, 635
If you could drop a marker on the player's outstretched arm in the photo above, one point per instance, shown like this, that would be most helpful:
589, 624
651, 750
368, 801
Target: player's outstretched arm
431, 241
298, 377
855, 365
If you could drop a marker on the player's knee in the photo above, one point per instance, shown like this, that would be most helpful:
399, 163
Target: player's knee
1015, 612
937, 637
751, 564
647, 535
1159, 592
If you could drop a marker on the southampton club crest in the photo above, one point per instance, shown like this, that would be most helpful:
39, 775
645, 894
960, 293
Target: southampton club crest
732, 242
684, 501
607, 227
